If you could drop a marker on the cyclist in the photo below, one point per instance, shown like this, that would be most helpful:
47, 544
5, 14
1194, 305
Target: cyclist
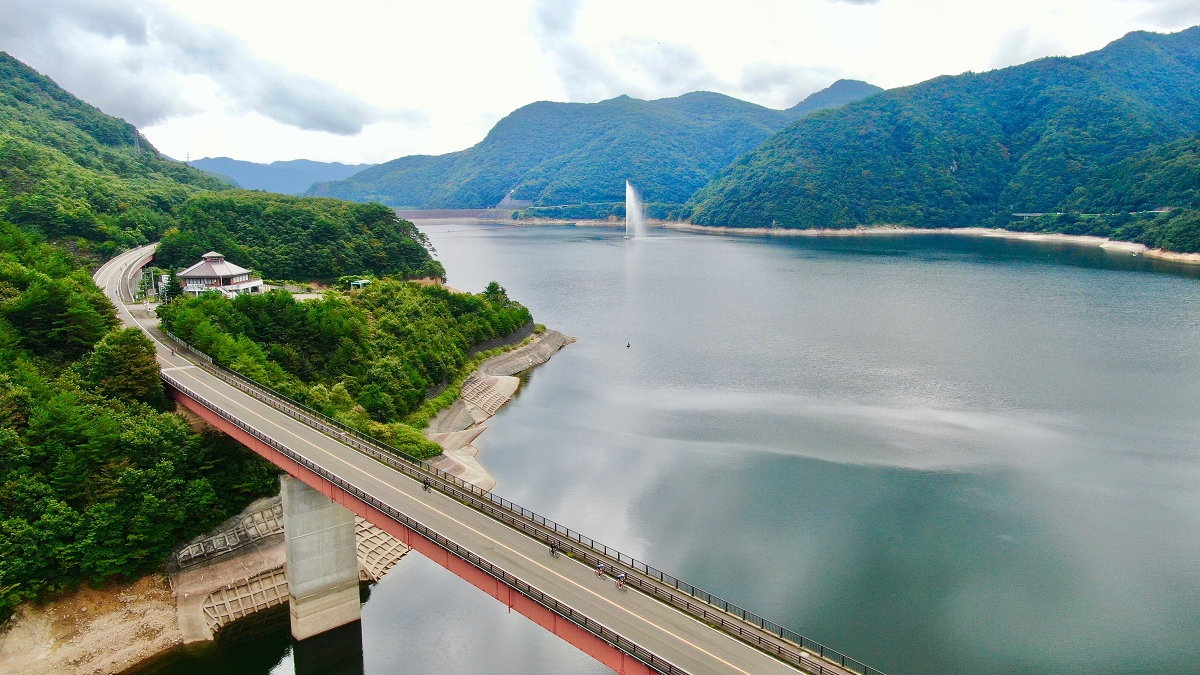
621, 580
554, 549
425, 485
600, 570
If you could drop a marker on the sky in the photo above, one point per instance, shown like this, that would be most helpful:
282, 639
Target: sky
365, 81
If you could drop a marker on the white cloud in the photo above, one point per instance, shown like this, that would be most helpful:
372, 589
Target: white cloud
1020, 46
133, 58
246, 79
1173, 13
648, 68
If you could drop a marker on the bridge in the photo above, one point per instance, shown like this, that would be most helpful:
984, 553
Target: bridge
657, 624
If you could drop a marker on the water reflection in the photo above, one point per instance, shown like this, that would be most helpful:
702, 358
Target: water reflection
335, 652
937, 454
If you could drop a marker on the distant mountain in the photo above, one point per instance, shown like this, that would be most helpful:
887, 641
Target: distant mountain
549, 154
968, 149
291, 177
835, 95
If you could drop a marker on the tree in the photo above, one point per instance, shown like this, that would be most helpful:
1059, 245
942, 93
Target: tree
124, 366
173, 290
496, 293
54, 316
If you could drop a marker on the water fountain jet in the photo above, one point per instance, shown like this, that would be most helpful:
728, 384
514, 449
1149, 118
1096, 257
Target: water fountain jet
635, 216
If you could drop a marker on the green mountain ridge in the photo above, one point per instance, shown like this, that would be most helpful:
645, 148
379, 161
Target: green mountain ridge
69, 170
552, 154
971, 149
98, 480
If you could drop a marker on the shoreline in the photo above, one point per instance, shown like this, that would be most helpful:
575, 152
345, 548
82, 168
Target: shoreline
93, 631
1113, 245
488, 388
1129, 247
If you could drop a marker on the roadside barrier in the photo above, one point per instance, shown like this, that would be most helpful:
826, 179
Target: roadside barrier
764, 634
512, 581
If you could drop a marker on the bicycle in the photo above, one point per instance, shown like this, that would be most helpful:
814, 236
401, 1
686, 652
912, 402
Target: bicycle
554, 550
621, 581
425, 486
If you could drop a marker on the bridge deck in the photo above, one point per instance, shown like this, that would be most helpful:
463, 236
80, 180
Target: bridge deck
670, 634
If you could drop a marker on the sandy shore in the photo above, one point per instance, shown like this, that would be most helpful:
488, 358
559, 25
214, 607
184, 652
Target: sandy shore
98, 632
1079, 240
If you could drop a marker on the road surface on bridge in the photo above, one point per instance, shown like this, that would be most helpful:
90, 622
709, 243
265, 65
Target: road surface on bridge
670, 634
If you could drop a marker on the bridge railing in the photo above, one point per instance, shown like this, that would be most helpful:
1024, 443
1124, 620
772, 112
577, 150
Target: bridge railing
574, 616
587, 549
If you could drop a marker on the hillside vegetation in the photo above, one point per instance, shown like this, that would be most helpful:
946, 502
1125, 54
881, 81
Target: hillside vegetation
307, 238
1120, 200
69, 170
367, 359
72, 174
98, 479
972, 149
554, 154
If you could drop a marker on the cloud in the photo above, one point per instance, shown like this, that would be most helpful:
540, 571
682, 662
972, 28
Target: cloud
857, 2
782, 85
137, 59
1172, 13
1019, 46
646, 68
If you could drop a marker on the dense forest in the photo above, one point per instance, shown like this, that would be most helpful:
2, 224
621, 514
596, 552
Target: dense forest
368, 359
69, 170
555, 154
1150, 198
972, 149
77, 176
308, 238
96, 479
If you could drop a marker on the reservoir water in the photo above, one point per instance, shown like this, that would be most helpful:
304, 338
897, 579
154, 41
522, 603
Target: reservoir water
936, 454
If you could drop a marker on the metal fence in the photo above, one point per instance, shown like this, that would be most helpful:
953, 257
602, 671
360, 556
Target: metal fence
787, 644
576, 617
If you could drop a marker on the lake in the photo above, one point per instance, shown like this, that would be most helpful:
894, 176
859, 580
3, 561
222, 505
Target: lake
936, 454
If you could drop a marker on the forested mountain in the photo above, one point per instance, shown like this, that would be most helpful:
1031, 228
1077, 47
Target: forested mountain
834, 96
297, 238
292, 177
69, 170
97, 479
1165, 176
1121, 201
969, 149
551, 154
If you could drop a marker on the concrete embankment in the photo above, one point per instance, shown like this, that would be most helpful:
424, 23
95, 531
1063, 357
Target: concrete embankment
483, 393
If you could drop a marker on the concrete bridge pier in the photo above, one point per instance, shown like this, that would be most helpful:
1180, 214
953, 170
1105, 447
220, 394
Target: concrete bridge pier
322, 560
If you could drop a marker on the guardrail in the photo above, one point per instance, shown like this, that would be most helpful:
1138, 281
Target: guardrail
512, 581
728, 617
